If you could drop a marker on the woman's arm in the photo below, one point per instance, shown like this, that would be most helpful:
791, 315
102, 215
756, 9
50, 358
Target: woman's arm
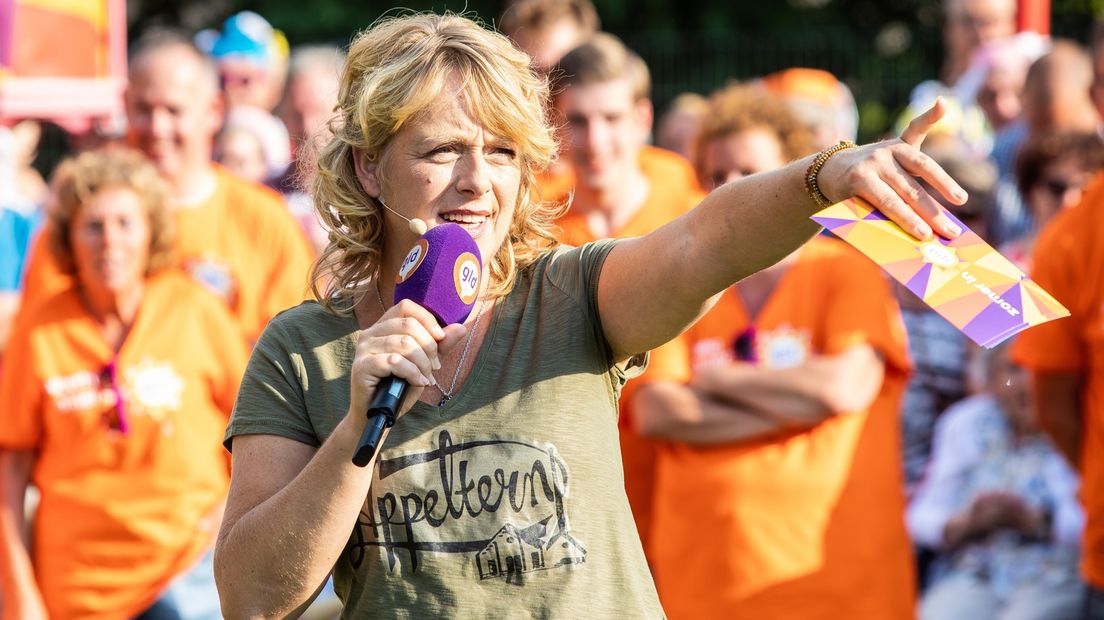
666, 410
652, 287
289, 513
291, 507
817, 389
22, 599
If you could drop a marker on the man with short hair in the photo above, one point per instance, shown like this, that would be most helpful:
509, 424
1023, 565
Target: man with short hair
621, 188
235, 237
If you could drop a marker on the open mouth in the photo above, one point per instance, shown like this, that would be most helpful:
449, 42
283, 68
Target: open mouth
470, 221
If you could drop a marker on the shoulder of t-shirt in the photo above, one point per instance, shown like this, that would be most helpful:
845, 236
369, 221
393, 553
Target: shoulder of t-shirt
60, 306
310, 322
567, 261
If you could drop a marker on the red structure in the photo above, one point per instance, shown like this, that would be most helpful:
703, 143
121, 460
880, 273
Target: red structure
63, 60
1033, 15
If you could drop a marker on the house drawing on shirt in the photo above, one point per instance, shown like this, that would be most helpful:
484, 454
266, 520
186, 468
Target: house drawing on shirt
513, 552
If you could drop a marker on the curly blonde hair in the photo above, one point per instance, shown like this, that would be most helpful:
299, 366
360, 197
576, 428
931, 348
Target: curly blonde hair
393, 71
742, 107
79, 178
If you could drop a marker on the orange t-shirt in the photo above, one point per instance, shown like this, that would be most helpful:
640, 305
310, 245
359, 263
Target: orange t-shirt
1068, 263
807, 524
670, 197
655, 163
242, 244
122, 514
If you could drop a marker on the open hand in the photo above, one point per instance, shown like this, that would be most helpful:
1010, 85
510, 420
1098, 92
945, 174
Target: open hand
884, 174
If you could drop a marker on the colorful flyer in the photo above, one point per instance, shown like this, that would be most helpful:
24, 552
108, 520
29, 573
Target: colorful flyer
965, 280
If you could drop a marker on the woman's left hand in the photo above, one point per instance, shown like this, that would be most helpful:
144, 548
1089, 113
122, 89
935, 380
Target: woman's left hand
885, 175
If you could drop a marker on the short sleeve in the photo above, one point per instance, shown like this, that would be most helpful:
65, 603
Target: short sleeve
270, 400
667, 363
21, 393
1055, 346
575, 272
862, 310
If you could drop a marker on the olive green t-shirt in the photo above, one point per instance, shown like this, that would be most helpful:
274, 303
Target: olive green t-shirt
507, 502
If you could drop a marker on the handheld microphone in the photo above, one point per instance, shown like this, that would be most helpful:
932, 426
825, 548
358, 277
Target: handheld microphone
441, 273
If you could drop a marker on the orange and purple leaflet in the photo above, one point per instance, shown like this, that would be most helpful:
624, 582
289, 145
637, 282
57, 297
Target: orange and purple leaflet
965, 280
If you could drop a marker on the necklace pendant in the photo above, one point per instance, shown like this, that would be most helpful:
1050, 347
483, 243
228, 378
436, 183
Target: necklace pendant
444, 399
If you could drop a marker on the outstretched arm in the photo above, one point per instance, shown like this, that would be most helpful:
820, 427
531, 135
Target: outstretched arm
652, 287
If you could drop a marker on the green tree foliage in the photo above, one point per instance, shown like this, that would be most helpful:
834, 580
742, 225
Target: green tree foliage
880, 48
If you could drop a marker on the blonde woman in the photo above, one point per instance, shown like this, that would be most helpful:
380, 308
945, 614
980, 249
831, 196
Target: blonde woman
507, 498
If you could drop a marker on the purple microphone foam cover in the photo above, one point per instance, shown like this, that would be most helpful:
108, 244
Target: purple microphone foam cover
441, 273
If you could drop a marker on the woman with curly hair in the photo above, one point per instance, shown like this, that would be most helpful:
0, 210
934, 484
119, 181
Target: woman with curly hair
116, 391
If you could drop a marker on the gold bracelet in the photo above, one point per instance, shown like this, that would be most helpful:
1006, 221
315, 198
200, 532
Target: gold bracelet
811, 185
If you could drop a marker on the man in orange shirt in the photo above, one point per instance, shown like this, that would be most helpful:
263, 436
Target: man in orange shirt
620, 188
1066, 358
235, 237
779, 493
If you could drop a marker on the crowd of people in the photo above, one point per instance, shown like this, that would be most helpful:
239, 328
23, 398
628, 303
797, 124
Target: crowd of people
674, 397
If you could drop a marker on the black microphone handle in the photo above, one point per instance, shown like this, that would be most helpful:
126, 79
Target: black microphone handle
381, 414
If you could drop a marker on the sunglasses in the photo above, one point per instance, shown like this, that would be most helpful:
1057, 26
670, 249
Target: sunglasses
236, 79
117, 418
1058, 187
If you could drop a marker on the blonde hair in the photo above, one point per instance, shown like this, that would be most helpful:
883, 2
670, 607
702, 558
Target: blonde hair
394, 71
79, 178
742, 107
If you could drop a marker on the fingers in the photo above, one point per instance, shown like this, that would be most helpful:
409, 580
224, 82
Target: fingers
918, 164
918, 128
927, 214
403, 343
454, 335
886, 198
410, 339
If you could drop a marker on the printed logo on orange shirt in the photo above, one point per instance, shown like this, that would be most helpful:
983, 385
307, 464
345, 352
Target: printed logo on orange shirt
710, 353
216, 277
150, 388
783, 347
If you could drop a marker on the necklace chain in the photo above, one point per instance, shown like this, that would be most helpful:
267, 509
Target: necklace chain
447, 395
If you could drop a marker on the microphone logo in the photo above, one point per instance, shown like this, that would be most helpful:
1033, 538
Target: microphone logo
413, 260
465, 275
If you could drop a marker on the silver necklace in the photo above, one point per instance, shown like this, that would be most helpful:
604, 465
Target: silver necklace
447, 395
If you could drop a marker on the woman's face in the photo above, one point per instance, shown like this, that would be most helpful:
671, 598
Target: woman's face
443, 166
740, 154
110, 236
